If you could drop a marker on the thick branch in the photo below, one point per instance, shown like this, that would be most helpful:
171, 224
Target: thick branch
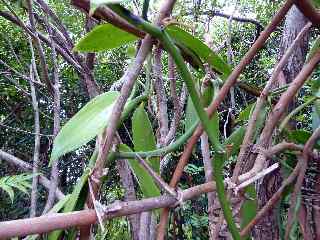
306, 7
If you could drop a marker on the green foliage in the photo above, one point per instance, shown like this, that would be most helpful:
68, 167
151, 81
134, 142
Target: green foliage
20, 182
192, 117
249, 208
103, 38
183, 38
143, 137
115, 229
85, 125
72, 202
235, 140
146, 183
245, 114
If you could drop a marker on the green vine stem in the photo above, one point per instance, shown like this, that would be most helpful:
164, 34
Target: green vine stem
220, 155
161, 151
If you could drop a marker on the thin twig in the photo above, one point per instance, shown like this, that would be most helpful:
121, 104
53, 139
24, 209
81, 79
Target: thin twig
24, 131
35, 170
56, 120
156, 177
38, 44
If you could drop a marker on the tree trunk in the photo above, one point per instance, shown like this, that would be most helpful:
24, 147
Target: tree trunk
294, 23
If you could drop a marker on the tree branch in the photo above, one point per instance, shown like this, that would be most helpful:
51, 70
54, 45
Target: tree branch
27, 167
35, 168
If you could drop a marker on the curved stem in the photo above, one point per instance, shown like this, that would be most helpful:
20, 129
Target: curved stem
161, 151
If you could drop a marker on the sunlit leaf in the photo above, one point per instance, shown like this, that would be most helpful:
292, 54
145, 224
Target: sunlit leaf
19, 182
146, 182
85, 125
143, 137
299, 136
104, 37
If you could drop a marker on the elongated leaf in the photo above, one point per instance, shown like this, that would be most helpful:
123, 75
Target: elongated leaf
191, 115
103, 38
143, 137
60, 204
315, 86
146, 183
182, 37
249, 208
72, 201
85, 125
260, 121
71, 204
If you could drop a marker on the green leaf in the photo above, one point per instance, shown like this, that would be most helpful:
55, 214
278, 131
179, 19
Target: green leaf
249, 208
207, 95
85, 125
104, 37
143, 137
146, 182
60, 204
246, 113
19, 182
316, 3
72, 201
184, 38
260, 121
235, 139
191, 115
299, 136
71, 204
